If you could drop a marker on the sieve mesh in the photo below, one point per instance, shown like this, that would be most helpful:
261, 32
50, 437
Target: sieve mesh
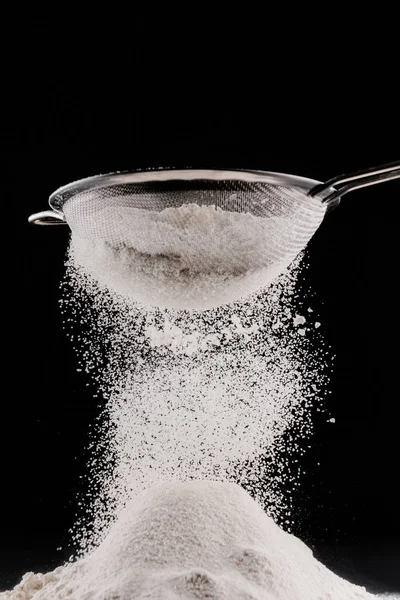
181, 230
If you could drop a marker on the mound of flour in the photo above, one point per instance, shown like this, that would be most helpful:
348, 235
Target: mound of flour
193, 540
187, 257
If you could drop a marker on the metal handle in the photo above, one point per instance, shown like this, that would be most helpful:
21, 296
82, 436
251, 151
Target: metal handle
354, 181
47, 217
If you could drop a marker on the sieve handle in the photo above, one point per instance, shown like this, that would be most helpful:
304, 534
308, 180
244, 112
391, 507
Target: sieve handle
357, 180
47, 217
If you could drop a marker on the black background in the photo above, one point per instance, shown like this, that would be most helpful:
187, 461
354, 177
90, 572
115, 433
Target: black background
127, 94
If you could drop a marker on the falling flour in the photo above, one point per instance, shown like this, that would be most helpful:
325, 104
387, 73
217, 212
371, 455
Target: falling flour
190, 540
226, 394
186, 257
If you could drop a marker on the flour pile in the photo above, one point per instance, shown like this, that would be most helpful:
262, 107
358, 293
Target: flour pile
187, 257
187, 541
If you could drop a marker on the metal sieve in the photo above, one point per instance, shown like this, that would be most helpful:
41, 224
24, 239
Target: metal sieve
109, 209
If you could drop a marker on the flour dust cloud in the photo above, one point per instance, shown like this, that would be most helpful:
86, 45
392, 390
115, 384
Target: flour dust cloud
225, 394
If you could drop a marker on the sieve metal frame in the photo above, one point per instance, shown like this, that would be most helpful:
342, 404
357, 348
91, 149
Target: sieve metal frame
59, 197
329, 192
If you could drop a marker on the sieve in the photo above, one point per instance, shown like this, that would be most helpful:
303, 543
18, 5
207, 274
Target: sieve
272, 218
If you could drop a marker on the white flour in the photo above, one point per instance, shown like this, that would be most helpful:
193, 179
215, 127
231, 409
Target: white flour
226, 394
192, 256
197, 540
195, 402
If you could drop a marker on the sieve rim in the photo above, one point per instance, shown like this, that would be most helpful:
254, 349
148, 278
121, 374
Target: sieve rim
60, 196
